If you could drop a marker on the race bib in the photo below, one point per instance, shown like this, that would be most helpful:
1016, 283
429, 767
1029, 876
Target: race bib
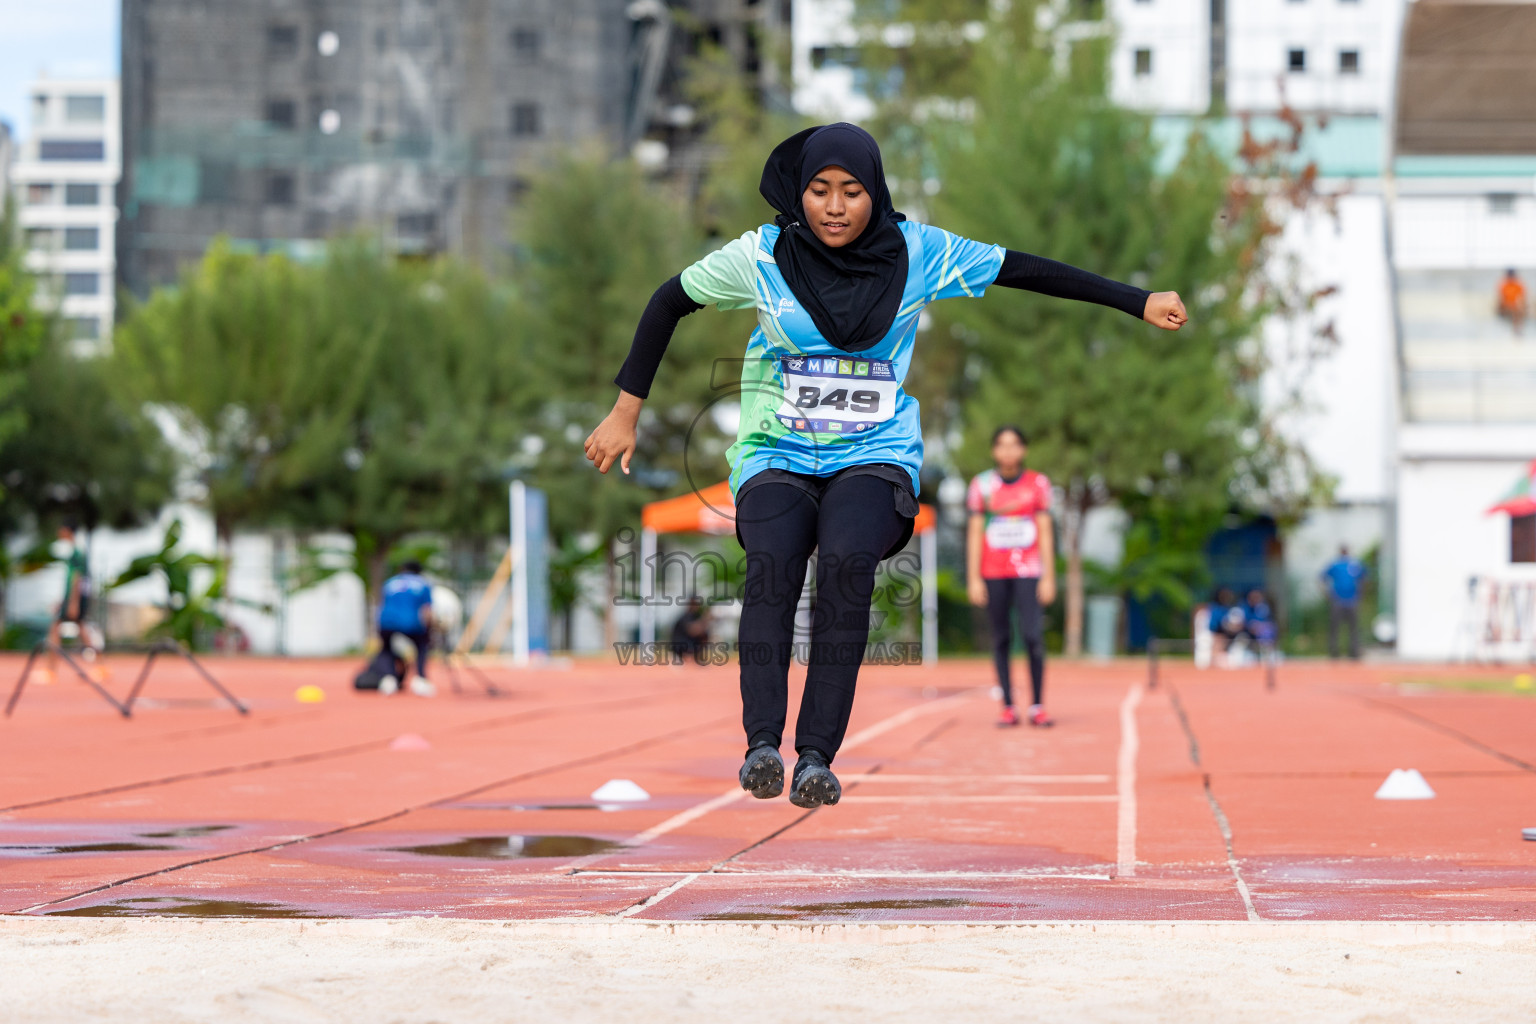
1008, 532
827, 394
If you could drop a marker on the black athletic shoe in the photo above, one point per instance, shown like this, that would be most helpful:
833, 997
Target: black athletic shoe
814, 782
763, 773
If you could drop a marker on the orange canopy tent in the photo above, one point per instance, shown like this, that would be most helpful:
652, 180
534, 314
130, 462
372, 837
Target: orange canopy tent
712, 510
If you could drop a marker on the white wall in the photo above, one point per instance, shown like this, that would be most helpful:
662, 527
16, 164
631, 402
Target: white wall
324, 620
1261, 32
1449, 476
829, 92
1454, 224
1178, 32
1351, 391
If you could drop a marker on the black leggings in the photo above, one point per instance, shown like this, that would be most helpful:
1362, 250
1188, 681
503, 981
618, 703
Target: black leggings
854, 525
1002, 596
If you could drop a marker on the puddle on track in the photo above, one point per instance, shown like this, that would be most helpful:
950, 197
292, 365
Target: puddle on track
185, 832
512, 847
53, 850
178, 906
846, 908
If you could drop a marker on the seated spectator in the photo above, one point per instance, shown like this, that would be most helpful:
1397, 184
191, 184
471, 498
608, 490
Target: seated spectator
690, 633
1227, 617
1512, 301
1260, 619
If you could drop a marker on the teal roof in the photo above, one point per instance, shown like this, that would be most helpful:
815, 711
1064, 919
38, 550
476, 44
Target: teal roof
1465, 166
1344, 146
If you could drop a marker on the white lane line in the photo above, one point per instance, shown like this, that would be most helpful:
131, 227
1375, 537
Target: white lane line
734, 794
983, 798
682, 818
651, 901
1125, 786
1039, 779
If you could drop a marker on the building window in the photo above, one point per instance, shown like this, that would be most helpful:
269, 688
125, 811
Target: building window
834, 57
85, 109
282, 41
416, 225
525, 119
76, 194
517, 190
1296, 60
1143, 62
71, 149
282, 114
526, 43
1522, 538
82, 239
40, 239
82, 284
1349, 62
1501, 204
280, 188
82, 328
39, 193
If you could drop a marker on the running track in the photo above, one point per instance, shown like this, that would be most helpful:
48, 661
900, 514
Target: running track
1207, 799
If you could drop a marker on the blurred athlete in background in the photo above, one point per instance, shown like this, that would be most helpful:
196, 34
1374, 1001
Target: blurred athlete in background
1010, 559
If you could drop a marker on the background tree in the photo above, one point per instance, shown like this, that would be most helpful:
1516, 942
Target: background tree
23, 326
361, 394
1018, 143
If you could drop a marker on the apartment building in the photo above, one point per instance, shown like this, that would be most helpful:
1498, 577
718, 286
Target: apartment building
65, 181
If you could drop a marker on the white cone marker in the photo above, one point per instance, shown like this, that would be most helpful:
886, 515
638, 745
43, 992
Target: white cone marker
619, 791
1405, 784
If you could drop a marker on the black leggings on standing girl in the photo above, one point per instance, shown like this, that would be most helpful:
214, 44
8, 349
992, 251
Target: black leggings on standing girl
1002, 597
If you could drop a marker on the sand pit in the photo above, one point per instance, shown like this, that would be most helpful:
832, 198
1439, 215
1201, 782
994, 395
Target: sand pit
423, 970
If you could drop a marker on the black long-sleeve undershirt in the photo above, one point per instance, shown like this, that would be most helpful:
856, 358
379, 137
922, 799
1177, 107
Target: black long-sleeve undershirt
1038, 274
670, 303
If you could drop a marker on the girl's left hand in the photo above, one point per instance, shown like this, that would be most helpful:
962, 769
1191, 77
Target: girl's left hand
1047, 592
1165, 310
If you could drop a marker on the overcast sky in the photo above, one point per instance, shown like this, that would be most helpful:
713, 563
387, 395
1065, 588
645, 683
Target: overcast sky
64, 38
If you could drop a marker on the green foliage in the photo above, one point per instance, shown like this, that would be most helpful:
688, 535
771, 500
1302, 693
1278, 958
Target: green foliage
86, 454
598, 240
23, 326
1013, 133
191, 615
364, 394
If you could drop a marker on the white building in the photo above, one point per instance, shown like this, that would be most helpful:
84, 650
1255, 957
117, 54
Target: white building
7, 154
65, 183
1463, 211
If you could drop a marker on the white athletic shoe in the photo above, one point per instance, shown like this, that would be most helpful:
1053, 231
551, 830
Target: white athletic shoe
421, 688
389, 684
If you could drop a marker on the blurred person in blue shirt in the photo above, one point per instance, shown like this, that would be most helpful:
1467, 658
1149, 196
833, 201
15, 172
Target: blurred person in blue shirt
1228, 616
1342, 579
1259, 620
405, 614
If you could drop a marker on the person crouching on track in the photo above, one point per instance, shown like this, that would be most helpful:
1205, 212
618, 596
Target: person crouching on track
830, 444
1010, 558
405, 619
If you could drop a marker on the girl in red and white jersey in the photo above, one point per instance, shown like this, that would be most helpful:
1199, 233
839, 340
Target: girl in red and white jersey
1011, 561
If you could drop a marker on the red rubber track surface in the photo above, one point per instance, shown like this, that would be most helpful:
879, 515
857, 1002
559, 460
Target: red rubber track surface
1205, 799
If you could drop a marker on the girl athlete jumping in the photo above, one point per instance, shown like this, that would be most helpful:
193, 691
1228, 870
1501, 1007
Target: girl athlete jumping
829, 447
1010, 560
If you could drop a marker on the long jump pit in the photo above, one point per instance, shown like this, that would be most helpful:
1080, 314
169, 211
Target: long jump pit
576, 848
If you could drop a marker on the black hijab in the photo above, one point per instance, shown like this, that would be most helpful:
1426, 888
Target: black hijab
852, 292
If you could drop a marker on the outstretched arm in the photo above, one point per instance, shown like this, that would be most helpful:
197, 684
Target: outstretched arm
614, 438
1048, 277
